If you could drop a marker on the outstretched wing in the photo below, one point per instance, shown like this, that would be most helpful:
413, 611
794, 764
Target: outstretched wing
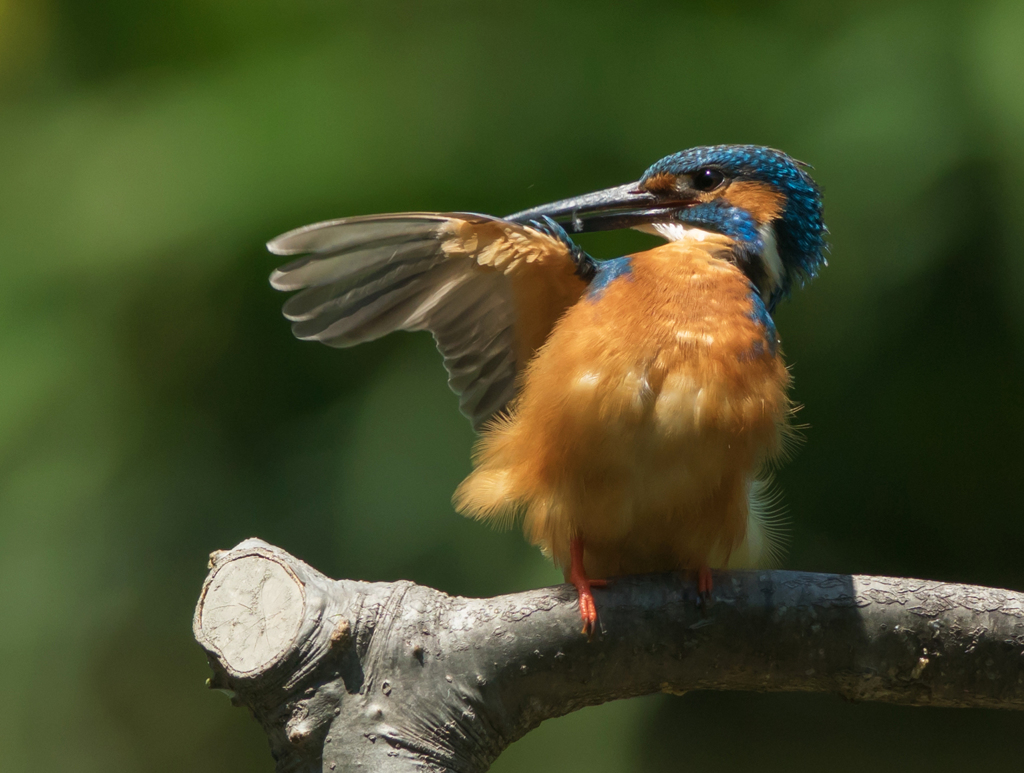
488, 289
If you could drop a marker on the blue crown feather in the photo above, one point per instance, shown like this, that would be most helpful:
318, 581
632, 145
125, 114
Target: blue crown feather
800, 231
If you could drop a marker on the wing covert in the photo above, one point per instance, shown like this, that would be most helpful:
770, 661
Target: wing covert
489, 291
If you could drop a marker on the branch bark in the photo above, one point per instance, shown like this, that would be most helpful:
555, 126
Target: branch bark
347, 675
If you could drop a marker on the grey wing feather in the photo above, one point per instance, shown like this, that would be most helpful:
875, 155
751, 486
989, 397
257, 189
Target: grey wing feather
366, 277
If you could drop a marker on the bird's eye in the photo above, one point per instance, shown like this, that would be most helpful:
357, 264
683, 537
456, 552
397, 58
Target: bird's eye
708, 179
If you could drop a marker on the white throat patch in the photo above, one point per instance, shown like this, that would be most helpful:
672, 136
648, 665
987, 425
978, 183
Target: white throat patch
675, 232
770, 256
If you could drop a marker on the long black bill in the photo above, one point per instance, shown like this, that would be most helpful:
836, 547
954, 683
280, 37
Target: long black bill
625, 206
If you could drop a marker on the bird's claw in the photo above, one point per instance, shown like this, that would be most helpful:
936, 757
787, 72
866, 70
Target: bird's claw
578, 577
588, 609
704, 586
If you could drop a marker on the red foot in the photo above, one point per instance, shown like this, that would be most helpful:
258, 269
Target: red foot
578, 577
704, 583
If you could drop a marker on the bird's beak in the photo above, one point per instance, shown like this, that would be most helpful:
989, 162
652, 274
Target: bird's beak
625, 206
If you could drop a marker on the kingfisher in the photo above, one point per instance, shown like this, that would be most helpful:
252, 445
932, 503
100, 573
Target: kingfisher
629, 409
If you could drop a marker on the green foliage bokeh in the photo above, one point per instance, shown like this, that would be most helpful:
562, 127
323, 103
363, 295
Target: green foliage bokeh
154, 406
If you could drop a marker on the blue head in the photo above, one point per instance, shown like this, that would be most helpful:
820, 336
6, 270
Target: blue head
761, 199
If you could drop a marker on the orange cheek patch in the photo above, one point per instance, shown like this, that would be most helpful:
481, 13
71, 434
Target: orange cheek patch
760, 200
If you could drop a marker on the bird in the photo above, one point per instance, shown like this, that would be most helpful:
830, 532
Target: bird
631, 409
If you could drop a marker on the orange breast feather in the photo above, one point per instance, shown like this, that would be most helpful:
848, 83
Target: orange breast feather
642, 422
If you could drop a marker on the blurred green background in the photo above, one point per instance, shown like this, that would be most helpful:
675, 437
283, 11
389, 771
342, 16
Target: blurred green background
154, 406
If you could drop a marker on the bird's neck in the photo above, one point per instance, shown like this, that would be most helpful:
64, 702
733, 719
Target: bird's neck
751, 246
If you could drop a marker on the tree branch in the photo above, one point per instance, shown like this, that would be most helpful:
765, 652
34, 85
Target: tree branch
398, 677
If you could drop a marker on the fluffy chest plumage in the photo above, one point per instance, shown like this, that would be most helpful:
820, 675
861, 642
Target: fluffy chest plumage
644, 418
675, 340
